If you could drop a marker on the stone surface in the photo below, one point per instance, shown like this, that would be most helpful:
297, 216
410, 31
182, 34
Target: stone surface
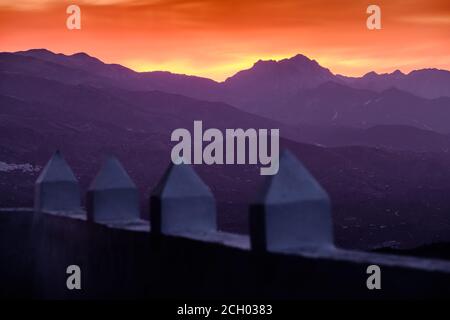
182, 203
112, 195
57, 188
291, 211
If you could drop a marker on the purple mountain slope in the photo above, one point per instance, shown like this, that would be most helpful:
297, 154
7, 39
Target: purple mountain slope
372, 190
295, 90
82, 68
80, 61
333, 104
275, 78
269, 82
390, 137
427, 83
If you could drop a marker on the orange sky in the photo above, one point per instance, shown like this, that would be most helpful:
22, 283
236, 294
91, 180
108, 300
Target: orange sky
217, 38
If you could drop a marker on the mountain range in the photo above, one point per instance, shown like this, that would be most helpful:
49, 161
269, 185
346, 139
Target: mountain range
380, 151
295, 91
284, 77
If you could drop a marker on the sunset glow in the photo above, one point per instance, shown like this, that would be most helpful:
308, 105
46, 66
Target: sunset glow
215, 39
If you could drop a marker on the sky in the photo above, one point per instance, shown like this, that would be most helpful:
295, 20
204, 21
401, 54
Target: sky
216, 39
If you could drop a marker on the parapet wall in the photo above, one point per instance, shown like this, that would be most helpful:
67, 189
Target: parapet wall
289, 254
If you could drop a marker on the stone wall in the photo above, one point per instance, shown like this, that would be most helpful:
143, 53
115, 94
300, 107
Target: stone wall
289, 254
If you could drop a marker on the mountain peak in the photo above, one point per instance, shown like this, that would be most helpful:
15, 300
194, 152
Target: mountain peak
261, 62
300, 58
57, 57
430, 71
301, 61
398, 73
39, 53
373, 74
38, 50
81, 55
282, 76
370, 74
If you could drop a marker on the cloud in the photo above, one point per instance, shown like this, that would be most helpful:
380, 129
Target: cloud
39, 4
218, 37
438, 20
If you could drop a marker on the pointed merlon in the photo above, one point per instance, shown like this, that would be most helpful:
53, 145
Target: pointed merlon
112, 195
57, 188
182, 203
292, 211
56, 170
112, 175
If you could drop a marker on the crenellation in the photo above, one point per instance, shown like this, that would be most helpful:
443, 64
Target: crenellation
57, 188
182, 203
112, 195
290, 251
292, 210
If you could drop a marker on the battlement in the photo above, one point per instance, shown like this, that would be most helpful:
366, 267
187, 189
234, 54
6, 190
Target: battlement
290, 252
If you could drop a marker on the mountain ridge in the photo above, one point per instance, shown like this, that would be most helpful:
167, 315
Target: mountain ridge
293, 90
89, 112
291, 60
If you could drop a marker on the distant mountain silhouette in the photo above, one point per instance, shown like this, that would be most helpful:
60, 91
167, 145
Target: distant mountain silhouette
282, 77
372, 187
388, 177
426, 83
80, 61
337, 104
391, 137
296, 90
269, 82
